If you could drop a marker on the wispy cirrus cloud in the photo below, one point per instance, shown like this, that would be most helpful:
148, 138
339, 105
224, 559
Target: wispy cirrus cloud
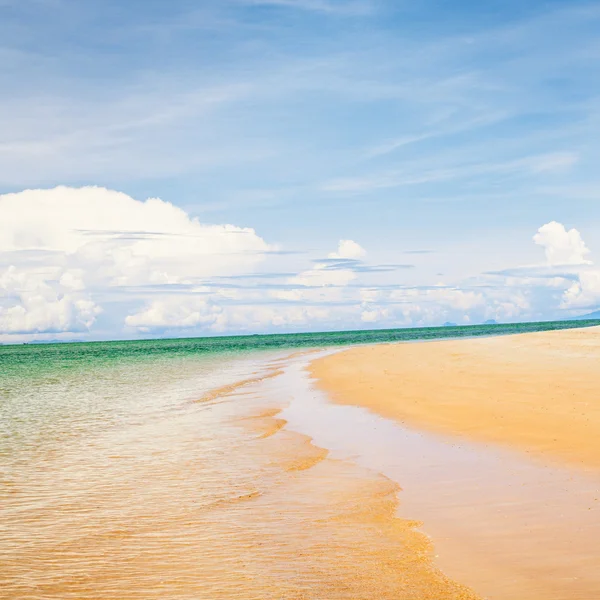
392, 145
420, 174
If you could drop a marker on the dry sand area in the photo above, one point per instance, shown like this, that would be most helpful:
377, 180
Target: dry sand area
536, 392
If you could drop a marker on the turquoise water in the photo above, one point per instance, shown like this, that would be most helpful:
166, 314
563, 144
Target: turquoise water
36, 359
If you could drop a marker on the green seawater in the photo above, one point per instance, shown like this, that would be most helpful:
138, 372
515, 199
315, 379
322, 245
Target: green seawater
31, 360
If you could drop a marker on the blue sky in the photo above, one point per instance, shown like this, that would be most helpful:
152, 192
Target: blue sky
438, 137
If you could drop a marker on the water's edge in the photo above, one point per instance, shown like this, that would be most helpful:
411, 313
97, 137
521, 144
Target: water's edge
461, 491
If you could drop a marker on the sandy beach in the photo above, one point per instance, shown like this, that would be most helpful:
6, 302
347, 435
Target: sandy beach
496, 450
536, 392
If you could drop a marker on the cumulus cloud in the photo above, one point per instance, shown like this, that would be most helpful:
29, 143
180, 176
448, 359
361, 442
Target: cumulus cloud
562, 247
32, 301
581, 279
349, 249
127, 241
437, 304
31, 304
374, 315
173, 313
179, 314
585, 292
85, 241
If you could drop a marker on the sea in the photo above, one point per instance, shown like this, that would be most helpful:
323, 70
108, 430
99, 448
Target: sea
169, 469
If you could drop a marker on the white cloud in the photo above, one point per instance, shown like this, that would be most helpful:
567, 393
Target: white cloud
69, 249
369, 295
585, 292
32, 305
126, 241
188, 313
265, 318
562, 247
435, 305
322, 275
458, 299
73, 279
348, 249
66, 255
173, 313
90, 240
373, 315
571, 277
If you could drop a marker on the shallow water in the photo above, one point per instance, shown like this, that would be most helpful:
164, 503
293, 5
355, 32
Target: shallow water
104, 483
155, 486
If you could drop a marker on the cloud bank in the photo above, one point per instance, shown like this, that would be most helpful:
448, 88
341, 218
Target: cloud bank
61, 249
95, 263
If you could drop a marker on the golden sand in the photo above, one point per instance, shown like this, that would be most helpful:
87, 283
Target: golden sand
337, 523
538, 396
538, 392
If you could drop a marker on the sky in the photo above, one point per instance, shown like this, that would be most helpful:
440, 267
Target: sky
207, 167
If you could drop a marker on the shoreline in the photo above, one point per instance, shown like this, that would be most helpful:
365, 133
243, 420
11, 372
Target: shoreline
397, 555
506, 526
213, 499
533, 392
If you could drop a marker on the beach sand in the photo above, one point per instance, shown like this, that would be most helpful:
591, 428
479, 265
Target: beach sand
512, 502
536, 392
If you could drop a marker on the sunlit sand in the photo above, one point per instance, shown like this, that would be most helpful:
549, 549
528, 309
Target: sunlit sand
538, 392
507, 483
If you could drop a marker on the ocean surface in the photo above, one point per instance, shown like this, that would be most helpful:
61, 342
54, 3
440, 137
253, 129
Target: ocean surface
159, 469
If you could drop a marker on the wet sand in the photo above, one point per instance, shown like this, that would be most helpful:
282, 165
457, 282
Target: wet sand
537, 392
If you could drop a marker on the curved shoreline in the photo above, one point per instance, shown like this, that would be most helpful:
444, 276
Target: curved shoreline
501, 523
388, 554
212, 500
537, 392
